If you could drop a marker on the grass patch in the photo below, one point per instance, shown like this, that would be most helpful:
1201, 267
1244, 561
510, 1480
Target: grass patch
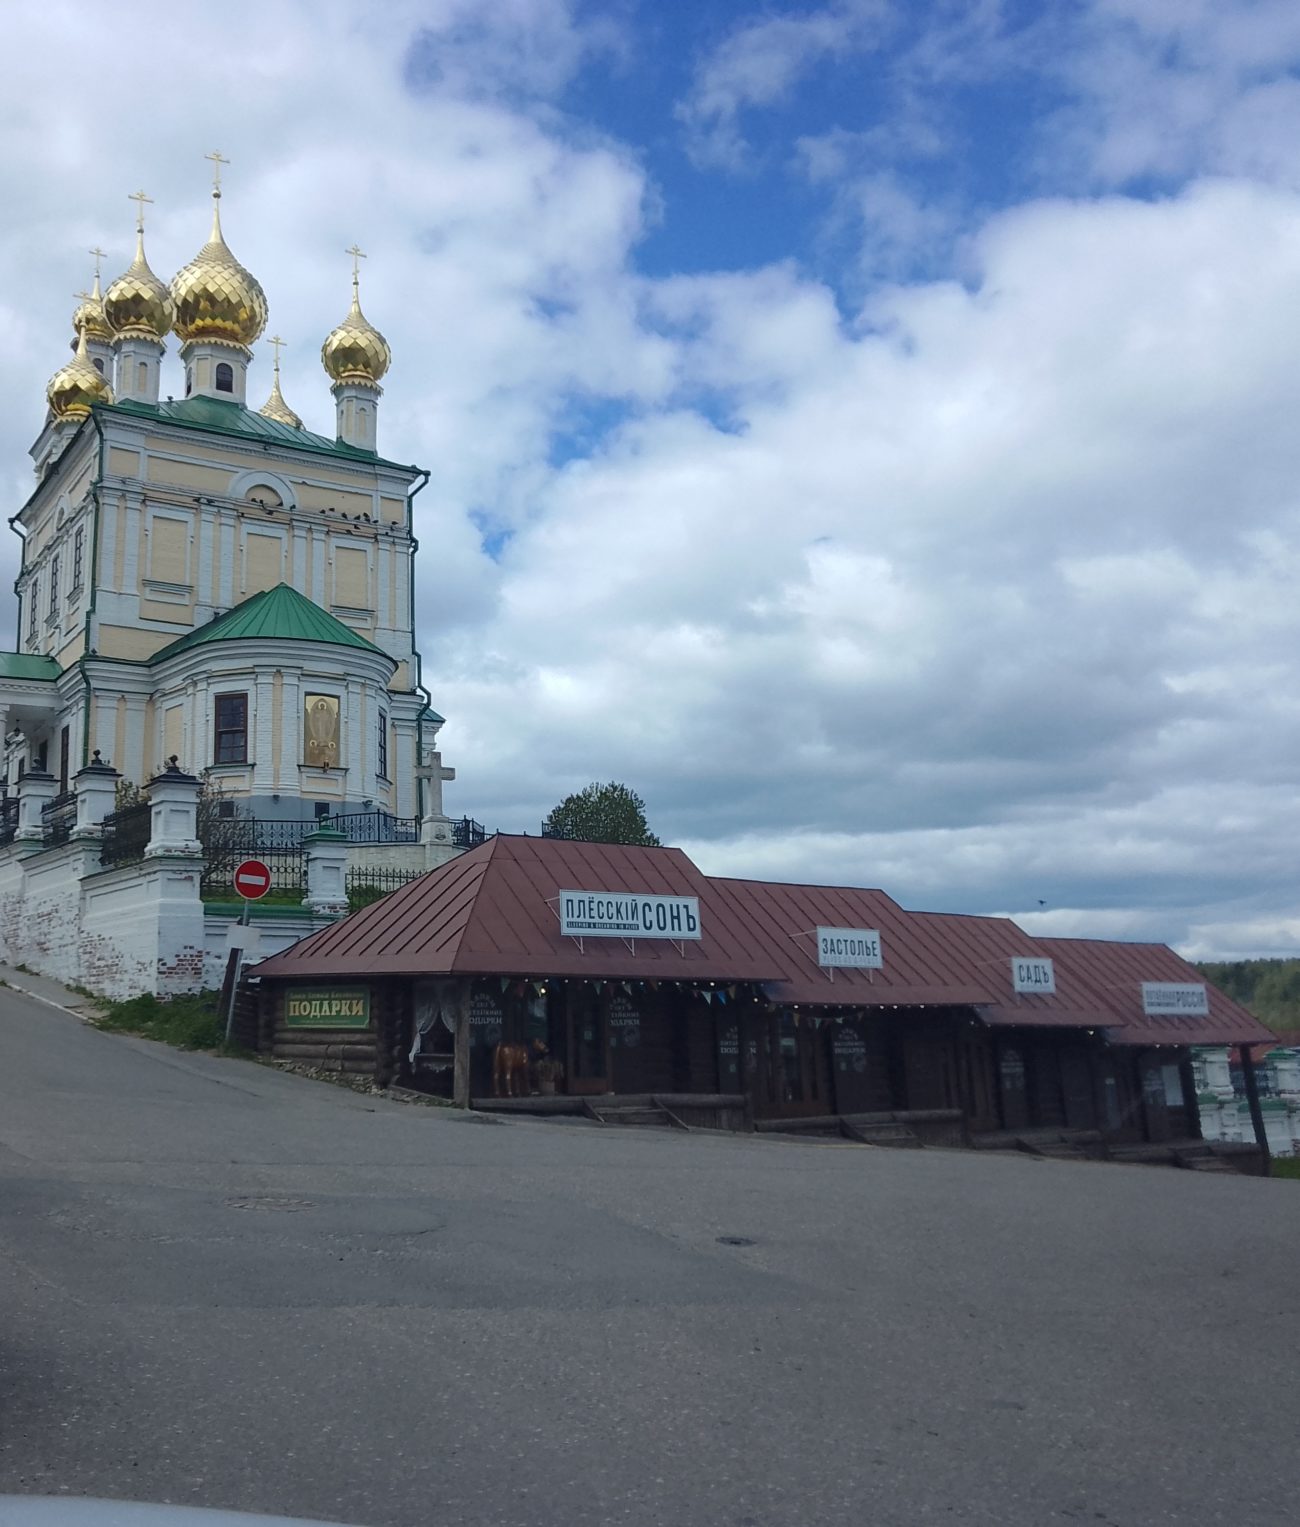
1286, 1166
188, 1022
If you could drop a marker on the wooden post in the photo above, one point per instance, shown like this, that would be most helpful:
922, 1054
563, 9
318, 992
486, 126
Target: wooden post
743, 1027
1252, 1098
460, 1076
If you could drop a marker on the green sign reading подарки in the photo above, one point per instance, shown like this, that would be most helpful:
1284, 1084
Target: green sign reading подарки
338, 1007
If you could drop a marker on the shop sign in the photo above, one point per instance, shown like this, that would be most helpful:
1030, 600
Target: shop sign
622, 914
327, 1007
1191, 1000
1034, 975
849, 949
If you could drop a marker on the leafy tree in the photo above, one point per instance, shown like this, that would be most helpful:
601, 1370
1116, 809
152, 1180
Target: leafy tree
601, 814
1269, 988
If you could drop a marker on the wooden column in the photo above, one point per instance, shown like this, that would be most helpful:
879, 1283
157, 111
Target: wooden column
1252, 1098
744, 1026
459, 999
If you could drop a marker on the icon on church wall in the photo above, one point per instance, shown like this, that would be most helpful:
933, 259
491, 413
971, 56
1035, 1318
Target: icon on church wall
321, 730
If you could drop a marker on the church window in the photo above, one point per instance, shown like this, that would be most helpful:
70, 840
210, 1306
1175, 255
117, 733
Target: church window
142, 376
231, 729
189, 381
54, 587
225, 377
99, 365
78, 556
33, 599
383, 745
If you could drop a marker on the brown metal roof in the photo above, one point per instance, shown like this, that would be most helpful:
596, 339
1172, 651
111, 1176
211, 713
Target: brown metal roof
920, 967
1115, 971
988, 945
493, 911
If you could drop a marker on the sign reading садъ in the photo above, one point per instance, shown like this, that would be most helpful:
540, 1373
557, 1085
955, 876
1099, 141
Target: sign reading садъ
327, 1007
622, 914
1030, 975
850, 948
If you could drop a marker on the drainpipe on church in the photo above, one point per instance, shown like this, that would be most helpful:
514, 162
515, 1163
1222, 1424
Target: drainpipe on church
419, 673
93, 575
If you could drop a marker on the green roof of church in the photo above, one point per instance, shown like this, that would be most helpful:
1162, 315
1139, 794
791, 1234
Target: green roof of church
28, 665
280, 614
230, 418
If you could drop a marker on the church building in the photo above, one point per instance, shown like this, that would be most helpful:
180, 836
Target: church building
211, 582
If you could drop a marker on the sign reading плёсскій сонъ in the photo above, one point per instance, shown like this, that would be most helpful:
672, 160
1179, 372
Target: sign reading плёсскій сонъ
1170, 997
623, 914
330, 1007
850, 948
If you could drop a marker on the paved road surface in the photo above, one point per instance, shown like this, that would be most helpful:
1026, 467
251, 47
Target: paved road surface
223, 1285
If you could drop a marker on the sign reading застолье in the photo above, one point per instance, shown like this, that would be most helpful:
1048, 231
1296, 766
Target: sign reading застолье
338, 1007
1170, 997
850, 948
621, 914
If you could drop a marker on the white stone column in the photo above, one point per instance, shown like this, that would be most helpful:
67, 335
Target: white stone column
265, 722
173, 815
327, 860
96, 790
35, 789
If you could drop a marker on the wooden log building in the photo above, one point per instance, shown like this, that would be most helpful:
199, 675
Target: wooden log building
542, 975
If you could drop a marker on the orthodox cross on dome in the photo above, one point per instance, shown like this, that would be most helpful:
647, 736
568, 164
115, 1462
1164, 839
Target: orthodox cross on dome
277, 344
139, 198
357, 256
97, 255
217, 162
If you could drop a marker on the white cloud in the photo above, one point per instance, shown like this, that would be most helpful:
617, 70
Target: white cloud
759, 62
983, 592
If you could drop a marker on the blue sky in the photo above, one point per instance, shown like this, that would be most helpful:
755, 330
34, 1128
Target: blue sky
865, 428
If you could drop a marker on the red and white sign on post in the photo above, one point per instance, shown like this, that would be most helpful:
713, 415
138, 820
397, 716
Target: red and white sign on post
252, 879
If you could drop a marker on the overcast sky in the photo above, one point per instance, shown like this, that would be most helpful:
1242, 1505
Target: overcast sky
868, 430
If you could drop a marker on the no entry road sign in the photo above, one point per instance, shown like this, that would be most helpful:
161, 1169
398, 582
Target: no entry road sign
252, 879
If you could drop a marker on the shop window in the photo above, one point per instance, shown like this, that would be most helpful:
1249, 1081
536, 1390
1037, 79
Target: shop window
225, 377
383, 745
231, 729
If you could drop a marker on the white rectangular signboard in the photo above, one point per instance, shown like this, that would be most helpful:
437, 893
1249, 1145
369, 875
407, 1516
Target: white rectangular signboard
1033, 975
1169, 997
624, 914
849, 948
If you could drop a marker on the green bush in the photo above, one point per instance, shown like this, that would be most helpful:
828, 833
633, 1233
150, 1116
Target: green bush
1287, 1166
189, 1023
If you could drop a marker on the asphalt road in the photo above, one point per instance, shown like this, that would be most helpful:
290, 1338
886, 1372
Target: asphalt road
226, 1286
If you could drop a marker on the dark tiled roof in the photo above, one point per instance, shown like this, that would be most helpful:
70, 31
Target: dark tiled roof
1116, 971
219, 417
492, 912
279, 614
920, 969
28, 665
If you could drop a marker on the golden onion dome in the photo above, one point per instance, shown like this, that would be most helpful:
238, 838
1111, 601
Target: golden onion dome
214, 296
356, 351
275, 407
137, 305
90, 318
75, 387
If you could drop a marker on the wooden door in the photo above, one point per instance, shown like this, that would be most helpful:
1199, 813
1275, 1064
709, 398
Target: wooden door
588, 1043
1013, 1098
